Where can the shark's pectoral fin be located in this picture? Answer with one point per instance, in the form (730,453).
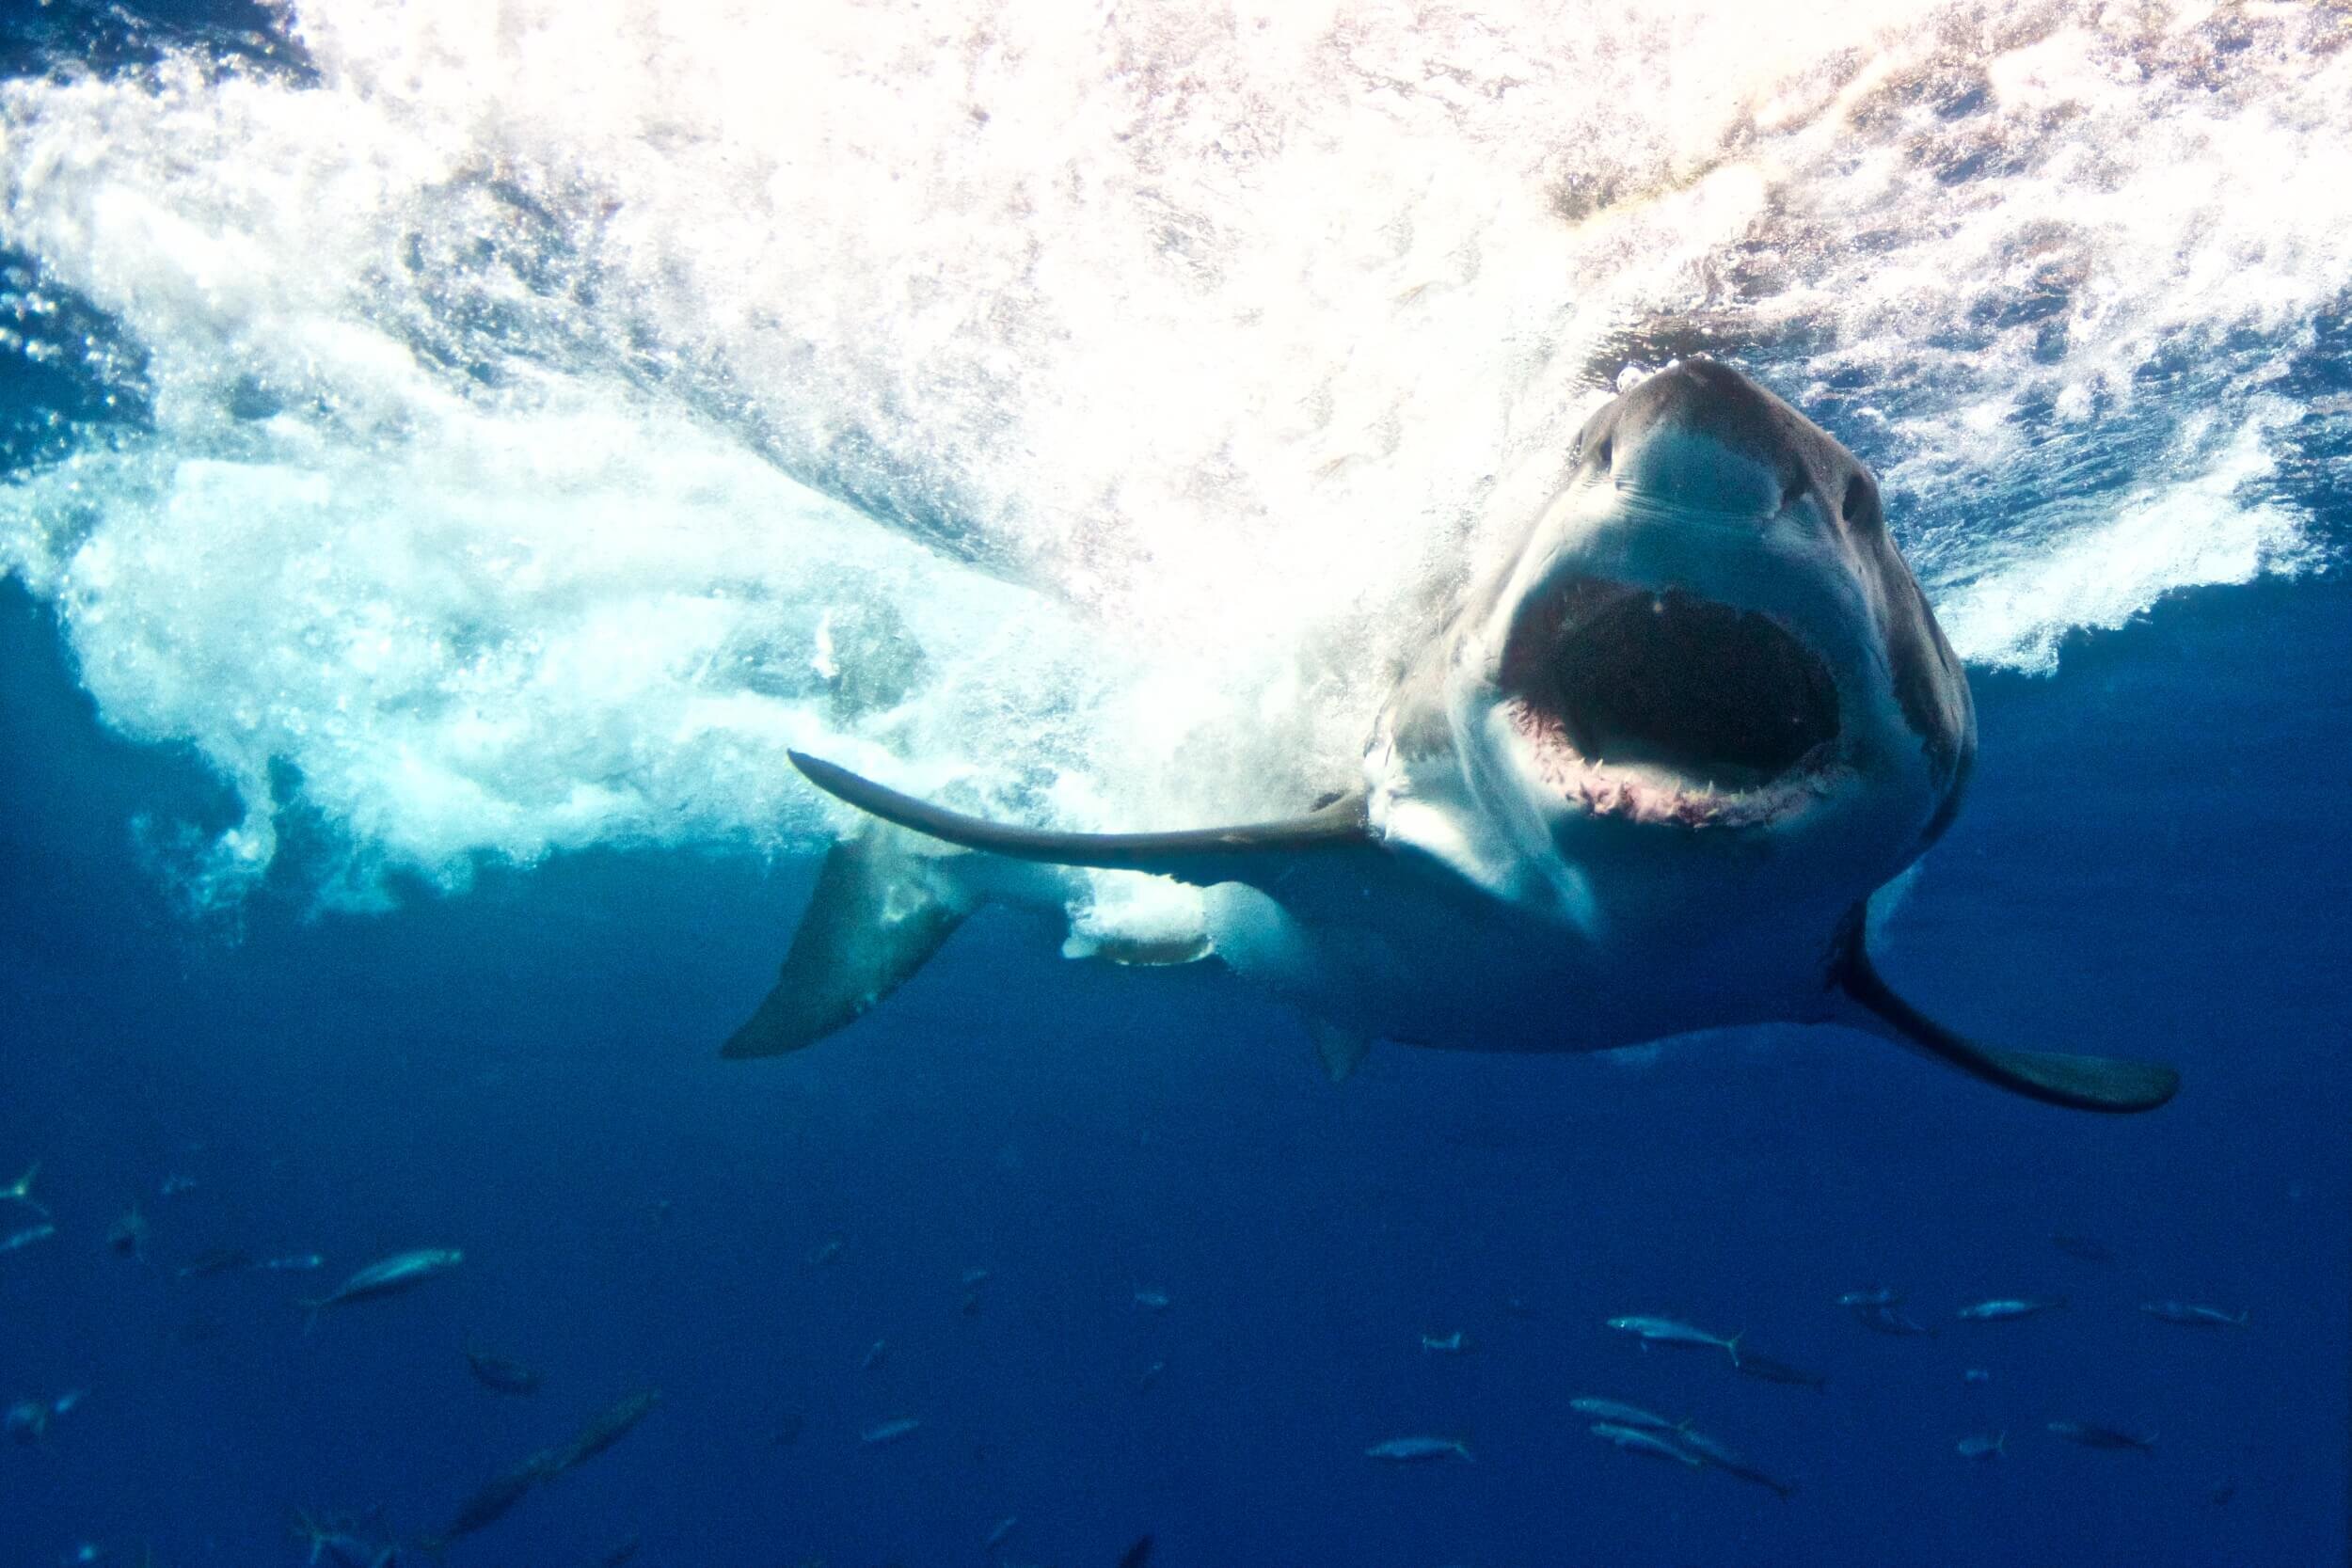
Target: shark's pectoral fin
(2079,1083)
(881,909)
(1259,853)
(1340,1051)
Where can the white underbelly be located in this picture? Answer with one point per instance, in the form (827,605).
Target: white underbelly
(1426,971)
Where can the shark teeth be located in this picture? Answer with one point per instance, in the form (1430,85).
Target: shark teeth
(1649,796)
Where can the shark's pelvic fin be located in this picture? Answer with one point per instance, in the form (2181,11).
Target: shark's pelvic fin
(881,909)
(1340,1051)
(1261,854)
(2078,1083)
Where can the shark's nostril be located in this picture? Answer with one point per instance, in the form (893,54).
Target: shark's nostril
(1601,453)
(1792,492)
(1858,499)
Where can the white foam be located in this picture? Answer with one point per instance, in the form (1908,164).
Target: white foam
(2194,529)
(506,381)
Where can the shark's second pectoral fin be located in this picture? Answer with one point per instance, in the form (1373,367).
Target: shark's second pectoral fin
(881,909)
(2078,1083)
(1259,853)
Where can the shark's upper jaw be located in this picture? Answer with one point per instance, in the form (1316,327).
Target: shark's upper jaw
(1658,706)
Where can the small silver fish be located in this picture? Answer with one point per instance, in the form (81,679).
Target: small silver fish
(506,1376)
(2094,1436)
(1151,1300)
(28,1236)
(1612,1413)
(401,1271)
(2194,1313)
(2003,1308)
(1994,1446)
(1451,1345)
(605,1428)
(1645,1440)
(1976,1374)
(878,1433)
(490,1502)
(1408,1450)
(1668,1331)
(1731,1462)
(876,1354)
(294,1263)
(1876,1296)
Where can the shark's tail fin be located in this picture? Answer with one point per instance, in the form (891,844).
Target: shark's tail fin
(881,909)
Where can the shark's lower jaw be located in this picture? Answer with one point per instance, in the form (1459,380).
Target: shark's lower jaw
(1660,708)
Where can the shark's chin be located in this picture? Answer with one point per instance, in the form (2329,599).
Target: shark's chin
(1659,707)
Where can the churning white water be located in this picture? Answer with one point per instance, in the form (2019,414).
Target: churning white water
(556,410)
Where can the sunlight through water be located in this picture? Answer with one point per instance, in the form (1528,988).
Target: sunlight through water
(514,426)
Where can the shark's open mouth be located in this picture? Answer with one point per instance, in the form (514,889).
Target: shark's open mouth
(1663,706)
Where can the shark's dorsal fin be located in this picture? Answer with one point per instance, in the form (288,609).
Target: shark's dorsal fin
(1257,853)
(2079,1083)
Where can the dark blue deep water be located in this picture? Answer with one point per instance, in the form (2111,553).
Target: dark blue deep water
(2156,859)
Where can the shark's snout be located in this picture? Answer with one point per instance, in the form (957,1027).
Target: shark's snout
(1700,435)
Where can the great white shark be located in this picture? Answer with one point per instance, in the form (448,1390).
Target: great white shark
(1643,783)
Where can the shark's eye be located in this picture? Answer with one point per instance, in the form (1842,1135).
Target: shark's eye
(1600,453)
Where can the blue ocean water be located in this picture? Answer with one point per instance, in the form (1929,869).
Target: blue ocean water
(452,458)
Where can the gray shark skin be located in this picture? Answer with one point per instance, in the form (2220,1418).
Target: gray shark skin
(1642,784)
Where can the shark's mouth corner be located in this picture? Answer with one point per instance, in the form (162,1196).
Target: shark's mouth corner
(1661,707)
